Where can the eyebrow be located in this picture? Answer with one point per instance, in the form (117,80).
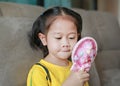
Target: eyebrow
(68,33)
(57,33)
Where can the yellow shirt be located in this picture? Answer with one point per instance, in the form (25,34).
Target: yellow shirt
(58,74)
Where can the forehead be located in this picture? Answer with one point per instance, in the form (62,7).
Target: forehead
(66,17)
(51,19)
(63,23)
(59,20)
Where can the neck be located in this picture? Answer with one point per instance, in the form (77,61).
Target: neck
(57,61)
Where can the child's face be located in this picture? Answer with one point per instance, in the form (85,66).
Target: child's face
(61,38)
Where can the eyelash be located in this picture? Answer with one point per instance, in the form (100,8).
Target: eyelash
(61,38)
(58,38)
(71,37)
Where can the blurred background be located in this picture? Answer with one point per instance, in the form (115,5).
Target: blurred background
(111,6)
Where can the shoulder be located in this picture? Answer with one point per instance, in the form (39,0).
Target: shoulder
(37,68)
(37,72)
(37,76)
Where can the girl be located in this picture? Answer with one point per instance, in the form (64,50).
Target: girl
(55,32)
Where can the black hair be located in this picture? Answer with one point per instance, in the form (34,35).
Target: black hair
(41,26)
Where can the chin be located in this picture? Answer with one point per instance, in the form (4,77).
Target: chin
(64,55)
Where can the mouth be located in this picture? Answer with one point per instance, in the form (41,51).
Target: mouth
(65,50)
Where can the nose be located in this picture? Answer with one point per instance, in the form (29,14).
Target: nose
(65,43)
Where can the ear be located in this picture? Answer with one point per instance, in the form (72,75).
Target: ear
(42,37)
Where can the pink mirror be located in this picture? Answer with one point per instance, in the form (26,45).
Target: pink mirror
(84,53)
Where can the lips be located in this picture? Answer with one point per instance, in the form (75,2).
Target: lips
(66,50)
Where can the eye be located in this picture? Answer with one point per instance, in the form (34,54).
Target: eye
(58,38)
(71,37)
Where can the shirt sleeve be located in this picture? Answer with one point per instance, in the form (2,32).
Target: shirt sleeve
(37,78)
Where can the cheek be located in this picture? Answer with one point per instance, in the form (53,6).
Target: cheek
(52,45)
(73,43)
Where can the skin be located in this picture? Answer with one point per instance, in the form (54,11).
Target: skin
(60,40)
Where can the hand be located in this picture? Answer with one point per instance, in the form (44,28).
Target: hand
(76,79)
